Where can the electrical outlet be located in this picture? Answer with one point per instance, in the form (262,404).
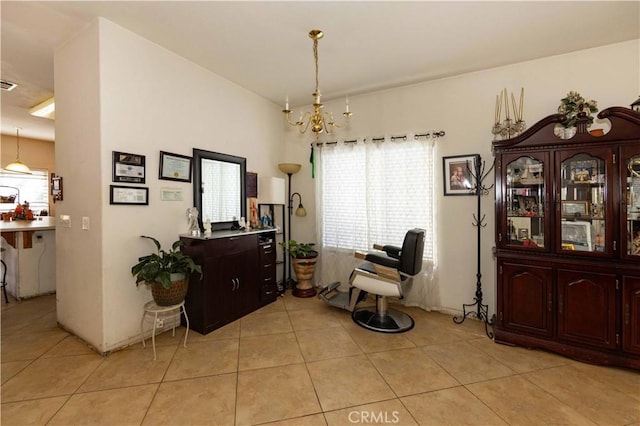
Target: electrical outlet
(159,322)
(85,222)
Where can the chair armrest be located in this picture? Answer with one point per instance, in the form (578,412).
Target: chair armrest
(383,260)
(360,255)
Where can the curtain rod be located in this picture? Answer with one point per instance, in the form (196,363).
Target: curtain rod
(434,134)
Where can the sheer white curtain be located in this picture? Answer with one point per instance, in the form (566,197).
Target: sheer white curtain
(373,192)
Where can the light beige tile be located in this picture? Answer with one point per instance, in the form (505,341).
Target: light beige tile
(204,400)
(268,351)
(277,393)
(309,319)
(326,343)
(372,341)
(204,359)
(464,362)
(130,368)
(428,331)
(526,404)
(312,420)
(519,359)
(10,369)
(32,412)
(411,371)
(292,303)
(344,382)
(24,346)
(126,406)
(267,323)
(455,406)
(390,412)
(229,331)
(277,306)
(70,345)
(615,379)
(47,377)
(586,393)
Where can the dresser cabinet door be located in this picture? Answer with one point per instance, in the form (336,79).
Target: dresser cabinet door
(587,307)
(631,315)
(526,298)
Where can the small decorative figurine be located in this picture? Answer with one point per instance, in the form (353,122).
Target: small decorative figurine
(207,228)
(192,220)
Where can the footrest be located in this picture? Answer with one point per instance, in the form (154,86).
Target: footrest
(330,294)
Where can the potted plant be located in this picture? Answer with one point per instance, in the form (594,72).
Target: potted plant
(303,259)
(166,272)
(574,106)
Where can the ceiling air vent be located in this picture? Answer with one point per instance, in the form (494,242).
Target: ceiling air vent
(7,85)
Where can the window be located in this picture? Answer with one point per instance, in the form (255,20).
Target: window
(375,192)
(33,188)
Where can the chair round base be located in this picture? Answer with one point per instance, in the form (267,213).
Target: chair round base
(392,322)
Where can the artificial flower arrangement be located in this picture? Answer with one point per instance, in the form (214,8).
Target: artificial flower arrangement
(23,212)
(573,104)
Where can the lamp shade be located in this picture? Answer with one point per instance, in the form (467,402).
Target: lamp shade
(289,168)
(271,190)
(18,167)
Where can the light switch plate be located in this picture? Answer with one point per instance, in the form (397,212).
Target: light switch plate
(65,221)
(85,222)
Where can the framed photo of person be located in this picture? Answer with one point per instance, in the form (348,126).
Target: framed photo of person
(457,173)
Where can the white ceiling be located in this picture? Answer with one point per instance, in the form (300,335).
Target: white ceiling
(263,45)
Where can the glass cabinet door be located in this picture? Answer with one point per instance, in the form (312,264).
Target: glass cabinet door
(525,201)
(583,209)
(631,192)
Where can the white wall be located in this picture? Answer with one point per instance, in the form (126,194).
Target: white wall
(149,100)
(463,106)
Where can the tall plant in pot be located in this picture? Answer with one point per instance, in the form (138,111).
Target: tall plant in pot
(303,259)
(166,272)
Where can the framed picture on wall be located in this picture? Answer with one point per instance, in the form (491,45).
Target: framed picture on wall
(175,167)
(128,195)
(457,173)
(129,168)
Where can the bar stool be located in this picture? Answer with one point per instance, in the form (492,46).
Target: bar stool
(160,313)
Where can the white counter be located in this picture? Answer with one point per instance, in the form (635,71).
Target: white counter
(228,233)
(42,223)
(31,271)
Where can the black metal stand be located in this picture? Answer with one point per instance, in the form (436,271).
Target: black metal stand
(286,280)
(482,311)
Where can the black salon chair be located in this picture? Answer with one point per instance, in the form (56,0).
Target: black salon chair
(384,274)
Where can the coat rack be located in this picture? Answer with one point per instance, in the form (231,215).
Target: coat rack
(478,174)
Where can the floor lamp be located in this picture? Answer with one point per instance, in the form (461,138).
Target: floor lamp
(289,169)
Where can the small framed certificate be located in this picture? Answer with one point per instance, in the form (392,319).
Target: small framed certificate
(128,168)
(175,167)
(131,195)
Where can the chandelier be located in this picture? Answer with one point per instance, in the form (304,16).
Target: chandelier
(317,120)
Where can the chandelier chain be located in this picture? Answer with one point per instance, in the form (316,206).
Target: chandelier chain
(315,55)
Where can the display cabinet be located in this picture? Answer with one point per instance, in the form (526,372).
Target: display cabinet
(568,240)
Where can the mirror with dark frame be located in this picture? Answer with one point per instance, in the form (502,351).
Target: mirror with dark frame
(219,188)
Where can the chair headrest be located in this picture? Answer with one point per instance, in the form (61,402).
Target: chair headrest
(412,251)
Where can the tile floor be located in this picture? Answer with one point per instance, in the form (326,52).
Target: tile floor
(300,362)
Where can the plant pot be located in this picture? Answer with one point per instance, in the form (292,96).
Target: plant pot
(304,267)
(173,295)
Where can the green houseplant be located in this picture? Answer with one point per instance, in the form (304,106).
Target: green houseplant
(572,105)
(166,272)
(303,259)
